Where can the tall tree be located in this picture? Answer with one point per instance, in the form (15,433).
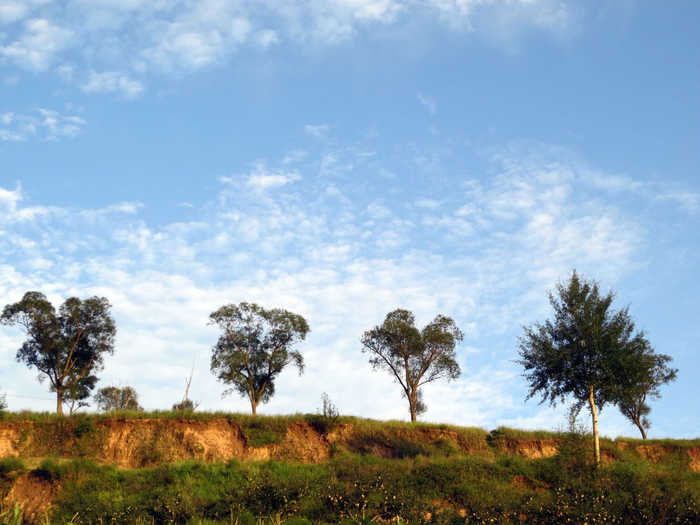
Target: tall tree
(111,398)
(414,357)
(66,347)
(581,353)
(255,346)
(643,373)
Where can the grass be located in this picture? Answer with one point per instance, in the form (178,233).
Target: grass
(681,443)
(451,474)
(358,488)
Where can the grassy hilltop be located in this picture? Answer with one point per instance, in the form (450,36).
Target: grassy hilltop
(166,467)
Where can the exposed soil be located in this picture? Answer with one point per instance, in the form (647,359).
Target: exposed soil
(9,437)
(33,494)
(140,442)
(694,453)
(653,453)
(532,449)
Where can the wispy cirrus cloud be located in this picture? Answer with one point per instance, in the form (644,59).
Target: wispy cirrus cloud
(132,39)
(317,131)
(42,124)
(113,82)
(483,252)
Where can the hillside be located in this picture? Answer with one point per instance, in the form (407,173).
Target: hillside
(163,467)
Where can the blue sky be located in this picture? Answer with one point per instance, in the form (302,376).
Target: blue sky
(344,158)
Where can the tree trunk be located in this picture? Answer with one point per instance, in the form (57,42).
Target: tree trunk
(412,407)
(641,429)
(594,415)
(253,405)
(59,401)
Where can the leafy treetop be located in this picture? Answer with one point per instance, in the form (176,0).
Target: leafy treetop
(66,347)
(256,344)
(414,357)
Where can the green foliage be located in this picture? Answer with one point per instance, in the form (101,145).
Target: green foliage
(186,405)
(581,348)
(10,465)
(112,398)
(414,357)
(264,431)
(256,345)
(644,373)
(12,516)
(67,346)
(585,352)
(84,426)
(49,470)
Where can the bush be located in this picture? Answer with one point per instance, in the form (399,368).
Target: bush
(83,427)
(48,470)
(10,464)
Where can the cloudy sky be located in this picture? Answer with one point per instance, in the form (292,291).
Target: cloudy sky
(343,158)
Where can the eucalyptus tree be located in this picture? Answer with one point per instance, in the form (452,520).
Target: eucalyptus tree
(67,346)
(254,347)
(414,357)
(583,352)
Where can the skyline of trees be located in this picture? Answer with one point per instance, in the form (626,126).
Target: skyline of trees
(257,344)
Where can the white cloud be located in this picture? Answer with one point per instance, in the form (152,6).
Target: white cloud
(65,72)
(318,131)
(267,37)
(130,37)
(40,42)
(10,198)
(43,124)
(312,250)
(377,211)
(11,11)
(262,179)
(688,200)
(506,17)
(294,156)
(113,82)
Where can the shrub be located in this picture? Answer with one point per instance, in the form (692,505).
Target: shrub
(84,426)
(10,464)
(48,470)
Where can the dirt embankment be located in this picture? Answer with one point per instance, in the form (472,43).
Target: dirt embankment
(135,443)
(139,442)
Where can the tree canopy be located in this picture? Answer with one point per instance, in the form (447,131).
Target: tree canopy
(414,357)
(111,398)
(643,373)
(255,346)
(67,346)
(582,352)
